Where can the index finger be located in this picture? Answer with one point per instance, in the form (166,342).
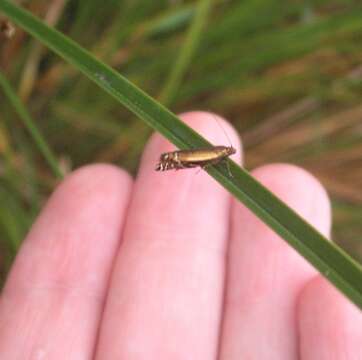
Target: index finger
(52,302)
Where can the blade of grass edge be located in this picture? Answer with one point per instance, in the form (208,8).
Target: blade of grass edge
(31,127)
(331,261)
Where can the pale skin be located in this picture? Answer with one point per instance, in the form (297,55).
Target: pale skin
(169,266)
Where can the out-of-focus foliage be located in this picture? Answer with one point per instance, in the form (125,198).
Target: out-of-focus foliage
(288,75)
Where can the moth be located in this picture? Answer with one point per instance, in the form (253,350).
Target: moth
(184,159)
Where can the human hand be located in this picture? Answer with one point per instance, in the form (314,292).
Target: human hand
(171,267)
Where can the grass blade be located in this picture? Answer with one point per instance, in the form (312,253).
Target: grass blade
(183,61)
(327,257)
(30,125)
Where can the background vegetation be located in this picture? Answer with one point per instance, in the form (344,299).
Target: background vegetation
(288,75)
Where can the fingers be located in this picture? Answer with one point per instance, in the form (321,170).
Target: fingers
(265,274)
(167,285)
(330,327)
(52,302)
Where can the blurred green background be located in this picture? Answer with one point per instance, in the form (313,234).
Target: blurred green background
(287,74)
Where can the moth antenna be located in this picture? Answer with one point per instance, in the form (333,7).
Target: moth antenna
(223,130)
(227,136)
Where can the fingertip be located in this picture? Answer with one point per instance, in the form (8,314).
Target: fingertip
(94,176)
(300,190)
(83,214)
(320,293)
(85,189)
(329,324)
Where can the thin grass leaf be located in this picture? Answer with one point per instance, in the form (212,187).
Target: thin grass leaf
(328,258)
(30,125)
(13,226)
(170,21)
(183,61)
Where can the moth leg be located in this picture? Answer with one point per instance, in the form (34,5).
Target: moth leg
(189,165)
(228,167)
(200,168)
(205,166)
(178,164)
(168,165)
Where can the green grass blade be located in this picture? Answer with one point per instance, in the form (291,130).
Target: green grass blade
(327,257)
(192,39)
(30,125)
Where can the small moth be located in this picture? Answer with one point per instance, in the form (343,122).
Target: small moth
(183,159)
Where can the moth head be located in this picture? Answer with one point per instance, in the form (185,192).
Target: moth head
(231,150)
(165,156)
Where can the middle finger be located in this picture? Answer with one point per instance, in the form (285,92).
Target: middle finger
(167,286)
